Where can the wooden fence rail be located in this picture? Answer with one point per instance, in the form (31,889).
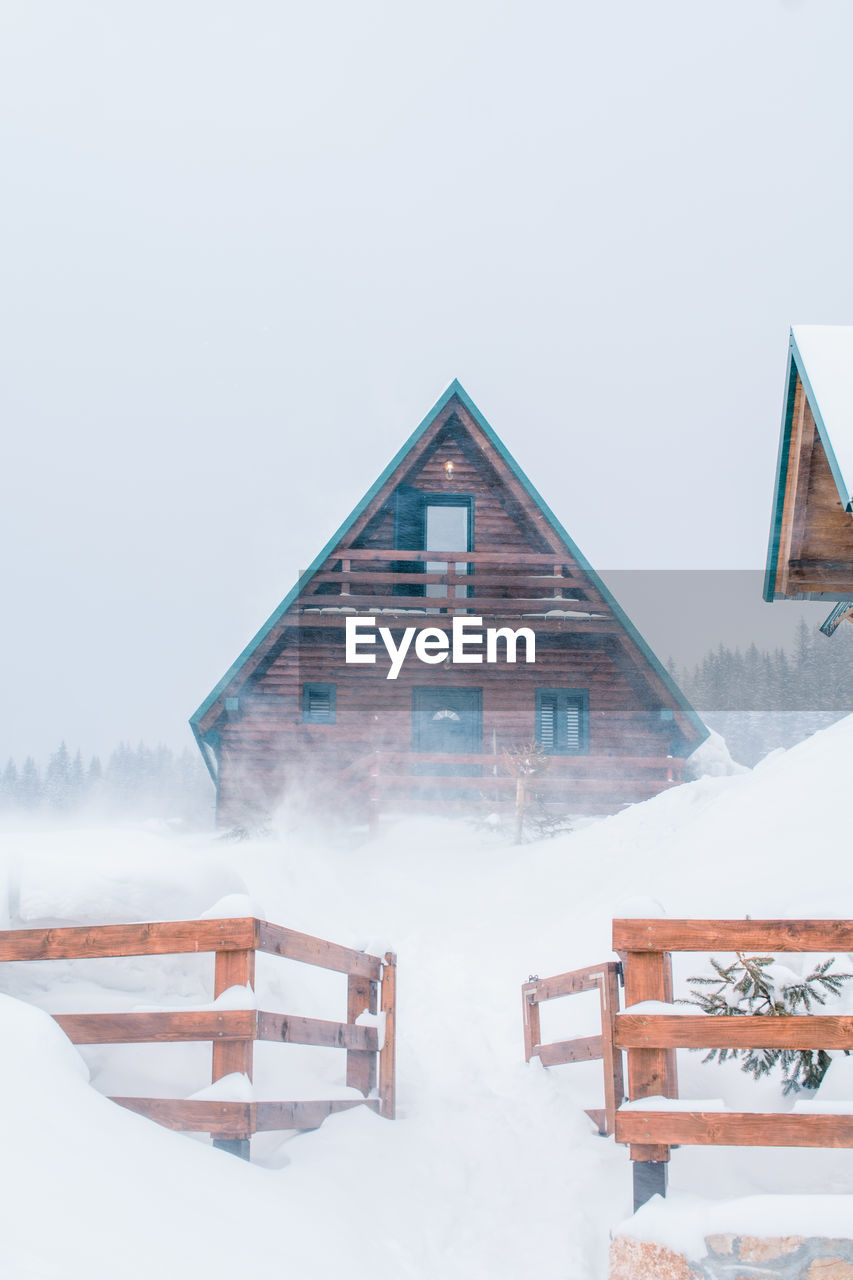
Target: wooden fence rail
(650,1040)
(371,985)
(603,978)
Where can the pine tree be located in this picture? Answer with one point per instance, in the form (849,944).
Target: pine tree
(94,775)
(76,781)
(29,785)
(747,987)
(9,786)
(57,779)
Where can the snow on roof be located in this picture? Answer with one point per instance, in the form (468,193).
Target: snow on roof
(824,357)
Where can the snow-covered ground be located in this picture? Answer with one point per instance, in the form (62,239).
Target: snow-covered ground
(492,1169)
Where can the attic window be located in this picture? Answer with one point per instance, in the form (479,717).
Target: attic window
(562,721)
(319,703)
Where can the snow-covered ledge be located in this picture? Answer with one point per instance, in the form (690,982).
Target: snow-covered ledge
(776,1237)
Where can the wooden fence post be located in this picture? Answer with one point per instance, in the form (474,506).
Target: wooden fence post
(233,969)
(614,1084)
(646,979)
(388,1052)
(531,1019)
(671,1054)
(361,1064)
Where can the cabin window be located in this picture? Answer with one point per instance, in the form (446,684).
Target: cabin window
(319,703)
(562,721)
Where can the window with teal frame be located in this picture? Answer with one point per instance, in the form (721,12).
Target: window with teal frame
(562,721)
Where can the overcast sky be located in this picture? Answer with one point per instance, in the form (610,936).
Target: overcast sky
(247,245)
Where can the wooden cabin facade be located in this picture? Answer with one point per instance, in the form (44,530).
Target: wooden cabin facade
(452,534)
(810,553)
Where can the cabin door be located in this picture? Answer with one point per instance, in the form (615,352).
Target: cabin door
(449,722)
(447,527)
(432,522)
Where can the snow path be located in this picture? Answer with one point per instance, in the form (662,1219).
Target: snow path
(492,1169)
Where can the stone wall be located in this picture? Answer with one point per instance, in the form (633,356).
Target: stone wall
(732,1257)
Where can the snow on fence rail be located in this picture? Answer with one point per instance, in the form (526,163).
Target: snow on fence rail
(371,984)
(603,978)
(651,1039)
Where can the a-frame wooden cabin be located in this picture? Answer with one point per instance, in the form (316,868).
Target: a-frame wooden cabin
(451,530)
(810,553)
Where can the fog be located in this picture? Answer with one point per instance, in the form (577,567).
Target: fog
(246,247)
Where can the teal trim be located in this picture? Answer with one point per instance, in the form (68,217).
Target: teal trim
(336,537)
(457,390)
(208,756)
(781,479)
(622,617)
(841,611)
(797,368)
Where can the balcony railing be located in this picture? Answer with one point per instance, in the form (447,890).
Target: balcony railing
(380,776)
(485,583)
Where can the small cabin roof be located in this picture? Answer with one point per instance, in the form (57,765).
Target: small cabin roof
(824,357)
(454,391)
(820,361)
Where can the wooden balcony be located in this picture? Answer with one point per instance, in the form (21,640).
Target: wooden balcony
(488,584)
(579,784)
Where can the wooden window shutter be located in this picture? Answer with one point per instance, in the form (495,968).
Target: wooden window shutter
(562,721)
(319,703)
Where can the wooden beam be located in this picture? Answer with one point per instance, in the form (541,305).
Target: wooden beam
(303,1115)
(89,942)
(503,558)
(510,576)
(699,1031)
(286,1028)
(582,1049)
(731,935)
(568,984)
(225,1119)
(388,1053)
(158,1028)
(444,621)
(734,1128)
(237,1119)
(598,1116)
(490,782)
(517,606)
(278,941)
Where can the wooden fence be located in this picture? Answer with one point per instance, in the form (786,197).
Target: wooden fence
(603,978)
(371,985)
(651,1040)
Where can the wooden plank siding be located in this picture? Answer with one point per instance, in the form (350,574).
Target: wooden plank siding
(521,567)
(815,540)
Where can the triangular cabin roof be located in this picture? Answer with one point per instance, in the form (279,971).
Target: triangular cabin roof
(810,554)
(454,398)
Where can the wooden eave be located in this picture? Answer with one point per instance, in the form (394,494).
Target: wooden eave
(556,542)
